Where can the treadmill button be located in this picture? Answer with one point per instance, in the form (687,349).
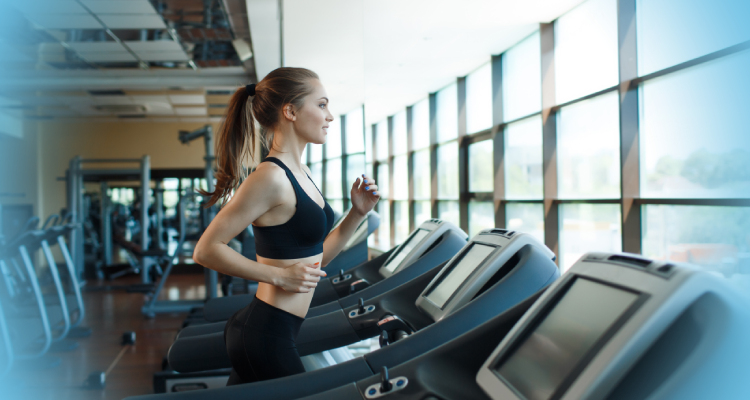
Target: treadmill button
(400,382)
(372,391)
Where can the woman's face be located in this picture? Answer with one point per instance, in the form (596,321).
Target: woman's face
(313,118)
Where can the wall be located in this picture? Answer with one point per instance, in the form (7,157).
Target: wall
(18,167)
(61,141)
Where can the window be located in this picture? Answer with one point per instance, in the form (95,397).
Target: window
(481,216)
(381,140)
(527,218)
(400,178)
(399,133)
(317,173)
(588,227)
(586,50)
(422,212)
(523,159)
(316,152)
(383,181)
(670,32)
(368,143)
(588,148)
(448,211)
(333,179)
(481,175)
(522,85)
(355,167)
(401,221)
(422,183)
(447,113)
(383,234)
(354,135)
(717,238)
(479,99)
(420,115)
(447,171)
(694,140)
(333,139)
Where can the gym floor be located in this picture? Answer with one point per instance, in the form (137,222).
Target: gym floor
(109,313)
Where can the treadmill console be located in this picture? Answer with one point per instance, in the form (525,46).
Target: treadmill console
(621,326)
(418,242)
(489,257)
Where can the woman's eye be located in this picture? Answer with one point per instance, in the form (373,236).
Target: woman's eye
(323,105)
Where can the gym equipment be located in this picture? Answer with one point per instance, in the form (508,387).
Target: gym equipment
(479,284)
(616,326)
(428,238)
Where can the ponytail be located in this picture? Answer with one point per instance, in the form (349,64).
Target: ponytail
(236,138)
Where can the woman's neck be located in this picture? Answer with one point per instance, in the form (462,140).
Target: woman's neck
(288,148)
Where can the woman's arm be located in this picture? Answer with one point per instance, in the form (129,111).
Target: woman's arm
(364,196)
(258,194)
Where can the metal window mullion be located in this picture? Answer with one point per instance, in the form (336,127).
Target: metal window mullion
(629,133)
(463,170)
(410,166)
(344,159)
(391,203)
(549,140)
(433,156)
(498,141)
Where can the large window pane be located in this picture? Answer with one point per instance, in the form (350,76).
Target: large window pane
(670,32)
(354,135)
(448,211)
(383,180)
(420,114)
(381,140)
(481,167)
(522,78)
(317,173)
(370,170)
(481,216)
(717,238)
(422,183)
(333,139)
(447,172)
(588,148)
(316,152)
(400,178)
(355,167)
(479,99)
(422,212)
(383,233)
(336,205)
(526,217)
(586,50)
(303,157)
(401,220)
(694,136)
(523,159)
(369,151)
(333,179)
(447,113)
(588,227)
(399,133)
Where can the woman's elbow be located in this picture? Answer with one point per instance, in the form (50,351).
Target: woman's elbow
(199,255)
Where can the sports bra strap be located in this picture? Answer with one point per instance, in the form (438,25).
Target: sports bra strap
(289,174)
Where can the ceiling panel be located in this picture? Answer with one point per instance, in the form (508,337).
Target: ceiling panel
(113,100)
(55,7)
(133,21)
(163,56)
(187,99)
(154,45)
(120,6)
(93,47)
(190,110)
(49,21)
(107,57)
(150,99)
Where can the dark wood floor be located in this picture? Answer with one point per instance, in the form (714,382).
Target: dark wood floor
(109,314)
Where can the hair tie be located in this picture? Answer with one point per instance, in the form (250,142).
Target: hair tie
(250,89)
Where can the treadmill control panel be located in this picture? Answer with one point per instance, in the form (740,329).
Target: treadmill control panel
(357,313)
(376,390)
(339,279)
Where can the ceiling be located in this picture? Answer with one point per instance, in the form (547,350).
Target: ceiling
(389,54)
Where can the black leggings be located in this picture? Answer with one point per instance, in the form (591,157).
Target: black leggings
(260,343)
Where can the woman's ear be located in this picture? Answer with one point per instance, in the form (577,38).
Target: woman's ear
(289,112)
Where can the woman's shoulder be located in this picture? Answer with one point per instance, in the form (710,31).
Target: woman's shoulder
(268,176)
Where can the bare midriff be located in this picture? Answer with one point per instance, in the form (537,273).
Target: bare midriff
(294,303)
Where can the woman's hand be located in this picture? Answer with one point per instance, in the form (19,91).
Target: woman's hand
(364,195)
(299,278)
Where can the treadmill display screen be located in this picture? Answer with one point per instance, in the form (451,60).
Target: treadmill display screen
(405,249)
(546,357)
(445,288)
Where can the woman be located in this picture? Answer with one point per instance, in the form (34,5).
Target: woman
(290,218)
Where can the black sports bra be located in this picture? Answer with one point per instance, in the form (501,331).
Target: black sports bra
(303,235)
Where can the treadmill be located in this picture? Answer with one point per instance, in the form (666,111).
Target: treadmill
(491,274)
(616,326)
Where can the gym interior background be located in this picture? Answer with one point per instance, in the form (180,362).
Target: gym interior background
(595,125)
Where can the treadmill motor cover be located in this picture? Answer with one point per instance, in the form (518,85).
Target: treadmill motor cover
(548,354)
(405,249)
